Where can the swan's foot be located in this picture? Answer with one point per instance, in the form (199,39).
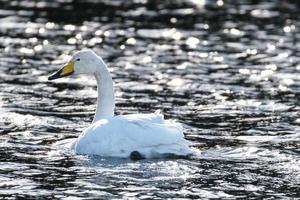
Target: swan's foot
(135,155)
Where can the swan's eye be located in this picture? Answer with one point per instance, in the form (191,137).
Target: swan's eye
(78,59)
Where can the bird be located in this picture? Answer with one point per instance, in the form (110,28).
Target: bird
(135,136)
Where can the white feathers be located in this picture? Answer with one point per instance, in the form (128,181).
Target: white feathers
(149,134)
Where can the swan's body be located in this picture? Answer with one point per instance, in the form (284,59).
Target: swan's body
(118,136)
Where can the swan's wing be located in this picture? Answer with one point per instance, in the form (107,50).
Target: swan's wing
(146,132)
(153,140)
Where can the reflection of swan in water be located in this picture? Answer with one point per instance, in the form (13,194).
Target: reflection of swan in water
(136,136)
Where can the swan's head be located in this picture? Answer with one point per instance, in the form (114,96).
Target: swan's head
(82,62)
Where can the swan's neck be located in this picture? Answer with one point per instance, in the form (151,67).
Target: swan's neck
(106,98)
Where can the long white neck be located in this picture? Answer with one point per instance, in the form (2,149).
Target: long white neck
(106,98)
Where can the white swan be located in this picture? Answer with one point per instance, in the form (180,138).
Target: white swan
(136,136)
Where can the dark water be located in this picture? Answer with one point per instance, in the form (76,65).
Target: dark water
(227,70)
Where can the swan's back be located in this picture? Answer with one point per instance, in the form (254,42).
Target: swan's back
(149,134)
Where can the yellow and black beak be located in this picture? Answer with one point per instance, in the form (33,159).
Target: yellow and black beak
(67,70)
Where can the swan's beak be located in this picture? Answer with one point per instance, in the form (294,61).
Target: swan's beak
(67,70)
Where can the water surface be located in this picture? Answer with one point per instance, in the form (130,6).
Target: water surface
(227,70)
